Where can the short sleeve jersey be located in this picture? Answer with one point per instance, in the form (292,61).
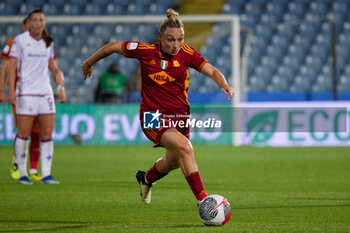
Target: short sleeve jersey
(33,57)
(164,80)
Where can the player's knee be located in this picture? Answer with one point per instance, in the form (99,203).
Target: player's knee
(185,149)
(23,133)
(46,134)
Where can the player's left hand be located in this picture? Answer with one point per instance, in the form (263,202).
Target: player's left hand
(228,90)
(62,94)
(87,69)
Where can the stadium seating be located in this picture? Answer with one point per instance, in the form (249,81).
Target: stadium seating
(289,50)
(295,37)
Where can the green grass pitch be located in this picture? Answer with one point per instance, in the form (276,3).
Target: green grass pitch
(270,190)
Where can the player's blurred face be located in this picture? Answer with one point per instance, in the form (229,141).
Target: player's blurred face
(172,40)
(37,23)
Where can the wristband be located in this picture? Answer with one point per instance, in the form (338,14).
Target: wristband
(61,87)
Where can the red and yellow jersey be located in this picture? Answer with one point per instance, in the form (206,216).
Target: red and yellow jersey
(6,51)
(164,80)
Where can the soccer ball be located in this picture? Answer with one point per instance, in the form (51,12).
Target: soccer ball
(214,210)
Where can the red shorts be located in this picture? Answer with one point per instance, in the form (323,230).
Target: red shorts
(155,135)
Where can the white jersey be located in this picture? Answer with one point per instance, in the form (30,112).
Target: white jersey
(33,70)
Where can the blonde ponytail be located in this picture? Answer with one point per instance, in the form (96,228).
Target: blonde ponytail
(171,13)
(172,21)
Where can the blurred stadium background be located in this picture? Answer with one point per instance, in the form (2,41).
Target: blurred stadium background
(290,44)
(286,53)
(287,60)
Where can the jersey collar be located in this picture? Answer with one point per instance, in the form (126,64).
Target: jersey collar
(160,54)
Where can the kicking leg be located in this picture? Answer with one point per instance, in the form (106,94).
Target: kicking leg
(180,153)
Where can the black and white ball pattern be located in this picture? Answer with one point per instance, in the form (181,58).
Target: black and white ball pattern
(205,209)
(214,210)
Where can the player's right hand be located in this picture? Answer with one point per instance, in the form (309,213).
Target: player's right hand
(87,69)
(228,90)
(62,94)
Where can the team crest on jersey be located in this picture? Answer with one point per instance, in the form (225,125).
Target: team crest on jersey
(164,64)
(152,62)
(131,46)
(176,63)
(161,77)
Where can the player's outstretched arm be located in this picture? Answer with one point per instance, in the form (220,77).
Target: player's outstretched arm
(219,78)
(112,47)
(3,72)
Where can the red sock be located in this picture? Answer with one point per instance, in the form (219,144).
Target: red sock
(14,149)
(153,175)
(196,184)
(34,151)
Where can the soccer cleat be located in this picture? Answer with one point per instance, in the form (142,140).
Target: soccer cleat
(14,172)
(24,180)
(145,188)
(35,177)
(49,180)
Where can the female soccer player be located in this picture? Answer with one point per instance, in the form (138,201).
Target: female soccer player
(164,73)
(33,94)
(34,151)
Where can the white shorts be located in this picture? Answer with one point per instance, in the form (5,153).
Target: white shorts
(32,105)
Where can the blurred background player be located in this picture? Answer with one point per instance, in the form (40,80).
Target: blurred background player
(164,72)
(34,151)
(111,86)
(33,94)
